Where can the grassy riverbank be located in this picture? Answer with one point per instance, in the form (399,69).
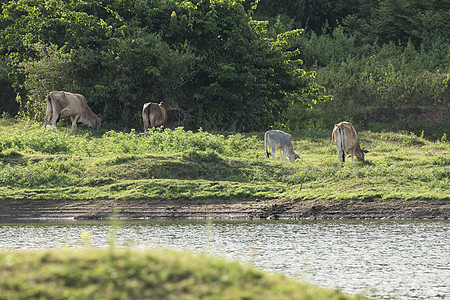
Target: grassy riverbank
(176,164)
(130,274)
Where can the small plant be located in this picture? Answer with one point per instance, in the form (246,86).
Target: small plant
(5,115)
(86,237)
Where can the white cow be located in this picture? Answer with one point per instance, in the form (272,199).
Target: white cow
(279,140)
(346,139)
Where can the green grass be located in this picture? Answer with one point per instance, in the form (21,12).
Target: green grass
(133,274)
(175,164)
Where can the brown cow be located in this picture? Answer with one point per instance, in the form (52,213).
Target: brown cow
(174,115)
(70,105)
(346,139)
(155,115)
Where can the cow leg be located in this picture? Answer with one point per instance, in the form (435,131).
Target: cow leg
(48,116)
(74,123)
(49,111)
(145,128)
(341,155)
(273,152)
(56,112)
(55,118)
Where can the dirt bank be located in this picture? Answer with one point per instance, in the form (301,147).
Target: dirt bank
(226,209)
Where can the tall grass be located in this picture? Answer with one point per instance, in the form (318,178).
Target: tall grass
(30,138)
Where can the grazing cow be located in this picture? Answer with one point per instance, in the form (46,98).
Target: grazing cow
(174,115)
(154,115)
(277,139)
(346,139)
(70,105)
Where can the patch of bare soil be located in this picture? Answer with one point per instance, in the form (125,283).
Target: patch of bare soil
(244,209)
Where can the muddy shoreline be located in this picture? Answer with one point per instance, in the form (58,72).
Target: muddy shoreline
(245,209)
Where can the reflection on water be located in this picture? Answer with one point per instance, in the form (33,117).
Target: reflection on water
(385,259)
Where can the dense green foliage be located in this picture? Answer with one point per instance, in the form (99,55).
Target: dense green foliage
(386,63)
(374,21)
(208,57)
(129,274)
(235,64)
(387,87)
(178,164)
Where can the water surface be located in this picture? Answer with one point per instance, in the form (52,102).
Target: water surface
(383,259)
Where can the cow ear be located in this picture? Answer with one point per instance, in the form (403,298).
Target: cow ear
(366,151)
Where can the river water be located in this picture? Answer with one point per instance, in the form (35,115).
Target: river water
(382,259)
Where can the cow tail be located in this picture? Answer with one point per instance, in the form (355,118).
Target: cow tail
(342,141)
(49,111)
(146,116)
(265,145)
(50,103)
(146,112)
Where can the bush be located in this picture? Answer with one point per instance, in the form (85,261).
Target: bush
(391,87)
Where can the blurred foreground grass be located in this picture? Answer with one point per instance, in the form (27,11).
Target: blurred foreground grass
(131,274)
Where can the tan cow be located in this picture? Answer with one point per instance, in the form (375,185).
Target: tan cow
(153,115)
(279,140)
(70,105)
(346,139)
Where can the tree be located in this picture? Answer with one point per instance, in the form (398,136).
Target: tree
(51,70)
(404,20)
(208,57)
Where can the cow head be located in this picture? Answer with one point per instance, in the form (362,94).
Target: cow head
(98,122)
(360,154)
(293,156)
